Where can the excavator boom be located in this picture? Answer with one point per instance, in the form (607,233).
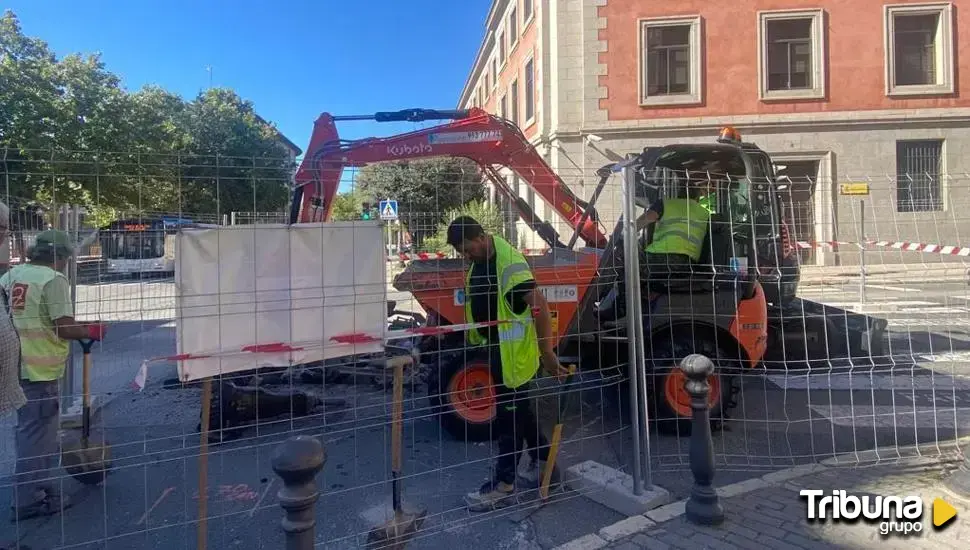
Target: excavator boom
(474,134)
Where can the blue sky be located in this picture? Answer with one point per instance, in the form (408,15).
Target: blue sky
(292,58)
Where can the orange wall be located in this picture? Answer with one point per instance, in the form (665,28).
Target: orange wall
(854,50)
(513,68)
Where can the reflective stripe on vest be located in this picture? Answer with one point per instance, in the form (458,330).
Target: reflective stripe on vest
(43,353)
(518,342)
(681,229)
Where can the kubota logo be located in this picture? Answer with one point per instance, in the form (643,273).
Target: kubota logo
(405,149)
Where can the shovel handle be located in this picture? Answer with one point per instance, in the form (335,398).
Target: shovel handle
(86,345)
(397,419)
(86,393)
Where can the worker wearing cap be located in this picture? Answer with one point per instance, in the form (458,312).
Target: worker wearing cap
(40,301)
(501,289)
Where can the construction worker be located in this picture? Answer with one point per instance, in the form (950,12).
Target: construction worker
(11,394)
(681,226)
(40,299)
(500,288)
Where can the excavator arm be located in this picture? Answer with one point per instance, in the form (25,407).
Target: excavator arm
(474,134)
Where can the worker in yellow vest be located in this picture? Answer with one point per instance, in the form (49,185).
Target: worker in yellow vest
(40,301)
(500,289)
(682,225)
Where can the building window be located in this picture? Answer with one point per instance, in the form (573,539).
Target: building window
(919,167)
(526,12)
(919,49)
(792,54)
(530,91)
(503,107)
(670,61)
(494,72)
(485,88)
(514,101)
(513,28)
(500,40)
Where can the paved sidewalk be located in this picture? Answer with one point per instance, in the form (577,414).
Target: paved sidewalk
(768,512)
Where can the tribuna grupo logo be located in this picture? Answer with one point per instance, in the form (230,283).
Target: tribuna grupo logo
(900,515)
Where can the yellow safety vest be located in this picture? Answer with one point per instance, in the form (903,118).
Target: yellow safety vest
(681,229)
(518,342)
(43,354)
(709,202)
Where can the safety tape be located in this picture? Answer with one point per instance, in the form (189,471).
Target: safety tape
(340,340)
(424,256)
(947,250)
(924,247)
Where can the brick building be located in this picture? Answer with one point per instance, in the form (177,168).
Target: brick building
(836,91)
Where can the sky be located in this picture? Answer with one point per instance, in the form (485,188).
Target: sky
(294,59)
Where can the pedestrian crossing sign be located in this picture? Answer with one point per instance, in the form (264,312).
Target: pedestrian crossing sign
(388,210)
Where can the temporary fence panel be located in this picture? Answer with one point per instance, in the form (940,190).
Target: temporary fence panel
(276,295)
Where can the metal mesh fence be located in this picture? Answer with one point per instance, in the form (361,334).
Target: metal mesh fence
(841,330)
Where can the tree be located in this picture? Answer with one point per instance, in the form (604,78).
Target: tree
(346,206)
(425,189)
(488,215)
(69,133)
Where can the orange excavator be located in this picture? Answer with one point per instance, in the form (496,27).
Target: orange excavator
(718,309)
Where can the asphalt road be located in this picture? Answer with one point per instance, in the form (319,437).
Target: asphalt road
(150,501)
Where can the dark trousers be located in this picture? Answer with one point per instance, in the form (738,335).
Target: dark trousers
(515,423)
(37,443)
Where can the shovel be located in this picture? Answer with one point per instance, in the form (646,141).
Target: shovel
(546,474)
(86,460)
(401,528)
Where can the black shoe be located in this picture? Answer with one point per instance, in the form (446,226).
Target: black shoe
(48,506)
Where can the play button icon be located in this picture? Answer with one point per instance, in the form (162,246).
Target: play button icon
(943,513)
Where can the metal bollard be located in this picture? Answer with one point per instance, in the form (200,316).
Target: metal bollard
(958,482)
(702,507)
(297,462)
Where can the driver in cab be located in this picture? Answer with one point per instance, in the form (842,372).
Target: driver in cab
(682,224)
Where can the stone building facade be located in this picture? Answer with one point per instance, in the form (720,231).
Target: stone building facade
(837,92)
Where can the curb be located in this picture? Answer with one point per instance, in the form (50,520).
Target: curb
(640,523)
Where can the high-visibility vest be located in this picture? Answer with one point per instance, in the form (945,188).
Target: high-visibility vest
(709,202)
(43,354)
(518,342)
(681,229)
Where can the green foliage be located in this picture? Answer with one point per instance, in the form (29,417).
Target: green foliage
(488,215)
(346,206)
(100,216)
(69,133)
(423,188)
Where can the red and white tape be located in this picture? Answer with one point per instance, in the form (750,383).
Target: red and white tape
(423,256)
(820,244)
(948,250)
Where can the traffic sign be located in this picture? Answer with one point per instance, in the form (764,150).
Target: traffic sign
(388,210)
(854,188)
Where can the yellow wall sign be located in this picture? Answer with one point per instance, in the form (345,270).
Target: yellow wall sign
(853,188)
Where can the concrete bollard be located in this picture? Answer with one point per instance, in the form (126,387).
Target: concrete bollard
(958,482)
(702,507)
(297,462)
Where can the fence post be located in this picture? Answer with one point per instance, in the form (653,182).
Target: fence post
(702,507)
(297,462)
(631,267)
(862,252)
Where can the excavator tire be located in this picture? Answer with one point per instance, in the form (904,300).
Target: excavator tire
(461,392)
(669,403)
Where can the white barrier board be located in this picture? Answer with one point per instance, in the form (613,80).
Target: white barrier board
(297,285)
